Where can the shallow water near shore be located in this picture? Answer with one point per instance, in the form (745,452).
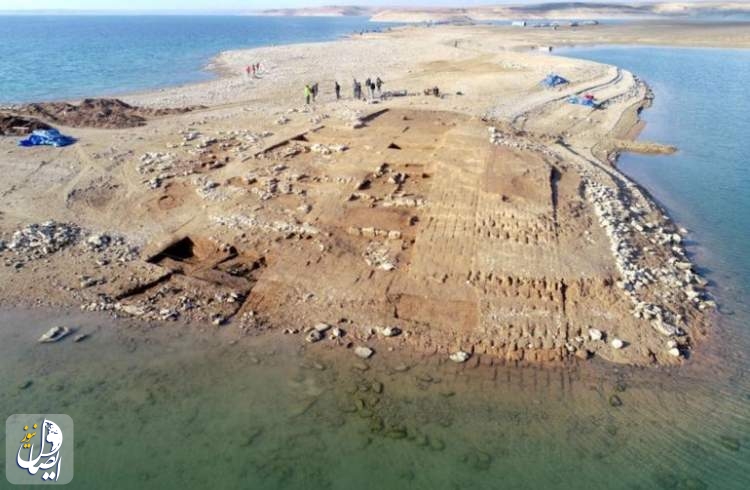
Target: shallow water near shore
(171,407)
(157,408)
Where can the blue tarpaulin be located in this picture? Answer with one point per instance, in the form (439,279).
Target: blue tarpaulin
(553,80)
(50,137)
(586,100)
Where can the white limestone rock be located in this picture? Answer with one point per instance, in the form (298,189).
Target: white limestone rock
(363,352)
(460,357)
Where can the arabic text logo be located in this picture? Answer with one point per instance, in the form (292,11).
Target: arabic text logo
(44,450)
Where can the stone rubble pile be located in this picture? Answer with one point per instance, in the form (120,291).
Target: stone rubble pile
(404,201)
(39,240)
(500,138)
(371,232)
(621,223)
(377,255)
(518,142)
(245,222)
(159,167)
(208,190)
(328,149)
(168,303)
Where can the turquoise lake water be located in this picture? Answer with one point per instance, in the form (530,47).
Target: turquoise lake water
(61,57)
(189,409)
(702,106)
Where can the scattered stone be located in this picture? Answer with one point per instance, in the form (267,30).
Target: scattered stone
(615,401)
(133,310)
(55,334)
(595,334)
(88,282)
(377,255)
(322,327)
(390,331)
(314,336)
(396,433)
(337,333)
(363,352)
(617,344)
(460,357)
(437,444)
(45,238)
(168,314)
(98,242)
(478,460)
(25,385)
(80,338)
(361,366)
(730,443)
(674,352)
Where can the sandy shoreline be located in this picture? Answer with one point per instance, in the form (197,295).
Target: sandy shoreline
(513,244)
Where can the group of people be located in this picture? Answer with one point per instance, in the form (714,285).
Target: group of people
(251,70)
(372,88)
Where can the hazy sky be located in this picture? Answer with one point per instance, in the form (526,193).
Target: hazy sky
(198,4)
(224,4)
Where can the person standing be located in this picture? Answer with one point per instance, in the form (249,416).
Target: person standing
(372,90)
(337,89)
(247,70)
(314,91)
(367,86)
(379,84)
(308,94)
(356,90)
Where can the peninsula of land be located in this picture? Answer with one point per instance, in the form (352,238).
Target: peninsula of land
(463,209)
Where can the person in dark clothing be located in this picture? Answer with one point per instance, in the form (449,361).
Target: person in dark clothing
(367,86)
(372,89)
(337,89)
(314,91)
(379,84)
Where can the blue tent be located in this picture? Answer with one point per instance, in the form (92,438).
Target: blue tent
(51,137)
(587,101)
(553,80)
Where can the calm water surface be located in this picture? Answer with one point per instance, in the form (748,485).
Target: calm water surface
(702,107)
(47,57)
(186,410)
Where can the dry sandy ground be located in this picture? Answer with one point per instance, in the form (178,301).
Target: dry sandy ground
(488,221)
